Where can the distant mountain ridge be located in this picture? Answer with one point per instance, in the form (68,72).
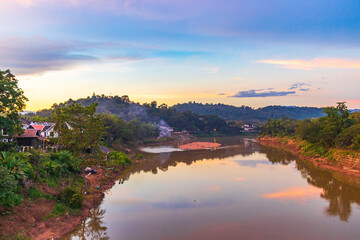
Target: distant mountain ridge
(245,113)
(128,110)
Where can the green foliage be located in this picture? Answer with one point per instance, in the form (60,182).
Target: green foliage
(349,137)
(61,164)
(58,210)
(310,149)
(246,113)
(118,159)
(35,193)
(280,127)
(76,200)
(8,188)
(338,128)
(71,196)
(139,156)
(120,131)
(18,165)
(80,129)
(12,101)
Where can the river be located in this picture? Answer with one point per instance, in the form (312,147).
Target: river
(242,191)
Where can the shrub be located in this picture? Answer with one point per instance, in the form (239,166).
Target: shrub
(59,209)
(71,196)
(139,156)
(8,189)
(348,137)
(35,193)
(76,200)
(118,159)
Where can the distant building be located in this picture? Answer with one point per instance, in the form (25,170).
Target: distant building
(249,128)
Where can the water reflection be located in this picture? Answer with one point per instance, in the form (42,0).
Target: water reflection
(240,191)
(93,227)
(340,194)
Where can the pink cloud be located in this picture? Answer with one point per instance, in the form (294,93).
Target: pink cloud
(295,194)
(332,63)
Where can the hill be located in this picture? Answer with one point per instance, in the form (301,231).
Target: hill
(128,110)
(245,113)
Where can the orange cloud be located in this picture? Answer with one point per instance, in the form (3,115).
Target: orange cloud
(315,63)
(239,179)
(296,193)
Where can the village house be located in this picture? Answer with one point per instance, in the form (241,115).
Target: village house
(29,139)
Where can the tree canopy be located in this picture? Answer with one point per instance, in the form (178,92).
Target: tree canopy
(12,101)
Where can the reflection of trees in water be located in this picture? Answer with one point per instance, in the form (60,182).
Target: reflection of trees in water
(93,227)
(278,155)
(340,195)
(163,161)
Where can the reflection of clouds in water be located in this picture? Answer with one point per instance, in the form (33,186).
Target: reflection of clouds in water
(252,163)
(133,205)
(295,194)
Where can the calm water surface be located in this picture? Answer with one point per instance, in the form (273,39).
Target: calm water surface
(245,191)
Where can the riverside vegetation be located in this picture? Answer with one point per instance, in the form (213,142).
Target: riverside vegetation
(56,176)
(335,137)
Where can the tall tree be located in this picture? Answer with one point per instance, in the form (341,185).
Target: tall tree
(81,130)
(12,101)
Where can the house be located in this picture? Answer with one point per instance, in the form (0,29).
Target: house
(249,128)
(4,136)
(29,139)
(49,132)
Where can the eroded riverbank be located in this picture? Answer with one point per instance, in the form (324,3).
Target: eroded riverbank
(340,161)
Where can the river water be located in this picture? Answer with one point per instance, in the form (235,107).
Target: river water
(242,191)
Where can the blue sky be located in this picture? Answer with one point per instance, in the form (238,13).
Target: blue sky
(256,53)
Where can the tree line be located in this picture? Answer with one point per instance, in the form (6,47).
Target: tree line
(338,128)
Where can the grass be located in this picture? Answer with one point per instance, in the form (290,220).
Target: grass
(58,210)
(35,193)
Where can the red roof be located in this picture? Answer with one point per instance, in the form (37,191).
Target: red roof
(29,133)
(38,127)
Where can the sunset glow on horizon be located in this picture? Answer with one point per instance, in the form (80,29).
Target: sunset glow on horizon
(253,53)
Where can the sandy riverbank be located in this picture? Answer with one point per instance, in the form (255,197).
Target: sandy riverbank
(199,145)
(345,164)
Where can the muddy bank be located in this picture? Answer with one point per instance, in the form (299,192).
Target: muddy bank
(199,145)
(345,164)
(29,218)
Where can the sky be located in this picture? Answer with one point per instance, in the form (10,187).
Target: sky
(238,52)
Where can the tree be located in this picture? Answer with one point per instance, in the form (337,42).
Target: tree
(12,101)
(83,133)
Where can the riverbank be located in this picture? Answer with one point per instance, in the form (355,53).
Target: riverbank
(339,160)
(31,219)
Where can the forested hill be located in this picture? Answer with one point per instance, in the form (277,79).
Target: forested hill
(128,110)
(245,113)
(119,106)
